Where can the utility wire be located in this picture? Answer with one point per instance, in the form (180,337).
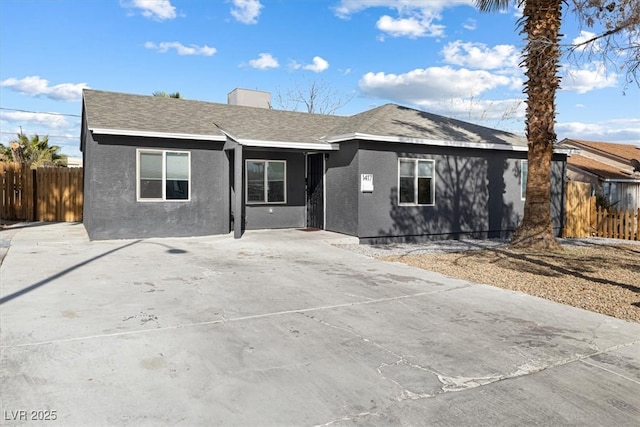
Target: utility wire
(50,136)
(40,112)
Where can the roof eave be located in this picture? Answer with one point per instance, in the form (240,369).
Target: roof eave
(316,146)
(421,141)
(156,134)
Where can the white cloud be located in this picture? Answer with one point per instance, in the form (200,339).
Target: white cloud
(264,61)
(479,55)
(346,8)
(23,118)
(583,37)
(36,86)
(416,18)
(319,65)
(454,93)
(587,78)
(434,83)
(246,11)
(409,27)
(159,10)
(181,49)
(470,24)
(625,130)
(58,127)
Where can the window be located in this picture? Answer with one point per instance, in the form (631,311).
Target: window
(163,175)
(524,171)
(266,181)
(416,183)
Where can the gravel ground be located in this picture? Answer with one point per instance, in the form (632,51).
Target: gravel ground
(601,275)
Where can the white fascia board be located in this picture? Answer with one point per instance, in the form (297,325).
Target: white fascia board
(154,134)
(567,151)
(631,180)
(316,146)
(420,141)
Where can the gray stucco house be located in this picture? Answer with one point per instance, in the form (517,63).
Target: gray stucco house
(157,167)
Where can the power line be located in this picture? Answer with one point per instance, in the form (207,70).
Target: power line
(40,112)
(50,136)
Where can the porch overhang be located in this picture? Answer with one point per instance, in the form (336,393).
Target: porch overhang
(294,145)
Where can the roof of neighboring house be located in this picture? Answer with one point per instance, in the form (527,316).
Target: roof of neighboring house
(597,168)
(126,114)
(623,151)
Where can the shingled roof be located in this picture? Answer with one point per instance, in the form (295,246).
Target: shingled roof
(119,113)
(623,152)
(406,124)
(597,168)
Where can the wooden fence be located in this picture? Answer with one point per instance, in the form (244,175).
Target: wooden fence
(43,194)
(584,219)
(617,224)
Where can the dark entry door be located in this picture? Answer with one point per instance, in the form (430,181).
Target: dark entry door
(315,191)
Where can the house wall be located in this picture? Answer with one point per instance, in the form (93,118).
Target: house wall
(292,214)
(477,194)
(112,211)
(342,182)
(628,196)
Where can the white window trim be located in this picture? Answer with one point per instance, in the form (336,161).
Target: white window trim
(523,185)
(266,182)
(415,184)
(164,176)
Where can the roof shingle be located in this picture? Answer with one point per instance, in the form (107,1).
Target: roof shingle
(119,111)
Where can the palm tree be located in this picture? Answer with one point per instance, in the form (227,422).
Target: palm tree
(541,24)
(164,94)
(36,151)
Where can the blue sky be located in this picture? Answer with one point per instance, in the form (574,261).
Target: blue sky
(441,56)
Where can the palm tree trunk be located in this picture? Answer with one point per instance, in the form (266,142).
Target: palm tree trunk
(541,58)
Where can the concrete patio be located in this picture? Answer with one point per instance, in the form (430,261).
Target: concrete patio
(283,328)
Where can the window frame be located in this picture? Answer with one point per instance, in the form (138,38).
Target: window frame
(265,182)
(524,165)
(416,177)
(139,151)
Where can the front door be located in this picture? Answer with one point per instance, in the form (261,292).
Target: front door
(315,191)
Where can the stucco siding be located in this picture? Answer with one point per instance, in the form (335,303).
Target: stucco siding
(342,182)
(477,194)
(290,214)
(113,211)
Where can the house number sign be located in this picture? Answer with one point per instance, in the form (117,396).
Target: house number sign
(366,182)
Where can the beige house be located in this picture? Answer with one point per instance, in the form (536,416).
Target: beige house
(612,169)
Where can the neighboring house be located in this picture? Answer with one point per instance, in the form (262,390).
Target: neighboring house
(159,167)
(609,168)
(74,162)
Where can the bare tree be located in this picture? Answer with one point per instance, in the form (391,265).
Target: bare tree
(311,96)
(616,40)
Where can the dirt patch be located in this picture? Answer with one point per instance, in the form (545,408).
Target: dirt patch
(604,279)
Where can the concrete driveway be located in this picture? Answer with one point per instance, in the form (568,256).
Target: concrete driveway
(282,328)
